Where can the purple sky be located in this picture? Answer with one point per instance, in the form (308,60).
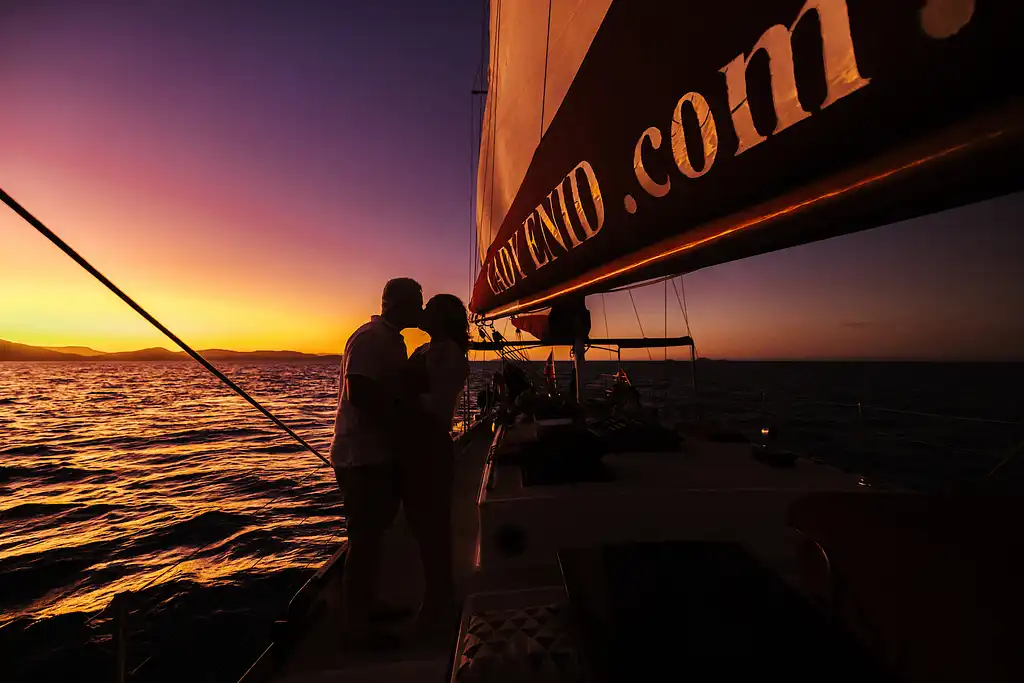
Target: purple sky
(254,171)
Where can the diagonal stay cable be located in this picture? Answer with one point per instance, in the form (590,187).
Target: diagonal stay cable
(640,324)
(63,246)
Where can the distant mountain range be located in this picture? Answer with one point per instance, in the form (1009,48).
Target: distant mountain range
(24,352)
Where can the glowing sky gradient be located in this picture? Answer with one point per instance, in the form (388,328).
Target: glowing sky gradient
(252,172)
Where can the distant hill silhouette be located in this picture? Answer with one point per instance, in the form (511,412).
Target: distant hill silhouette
(74,350)
(12,351)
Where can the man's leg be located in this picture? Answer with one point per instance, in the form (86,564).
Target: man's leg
(370,508)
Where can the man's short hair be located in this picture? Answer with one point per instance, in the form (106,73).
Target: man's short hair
(401,289)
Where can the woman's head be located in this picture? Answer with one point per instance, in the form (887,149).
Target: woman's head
(445,316)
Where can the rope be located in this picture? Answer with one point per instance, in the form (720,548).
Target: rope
(63,246)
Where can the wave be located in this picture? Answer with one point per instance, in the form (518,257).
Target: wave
(181,438)
(278,449)
(199,530)
(27,510)
(35,449)
(7,401)
(56,473)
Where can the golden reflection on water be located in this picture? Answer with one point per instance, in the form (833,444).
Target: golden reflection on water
(111,474)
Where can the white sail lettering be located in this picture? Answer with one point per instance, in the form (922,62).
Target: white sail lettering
(513,249)
(490,281)
(559,195)
(595,194)
(539,229)
(507,265)
(550,229)
(841,74)
(646,182)
(538,250)
(708,135)
(498,276)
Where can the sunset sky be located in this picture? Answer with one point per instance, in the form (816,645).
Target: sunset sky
(252,173)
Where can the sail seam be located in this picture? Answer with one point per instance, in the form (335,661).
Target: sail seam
(544,85)
(493,96)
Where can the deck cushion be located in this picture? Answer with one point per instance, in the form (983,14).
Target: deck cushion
(512,645)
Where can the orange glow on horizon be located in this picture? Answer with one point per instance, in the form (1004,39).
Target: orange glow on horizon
(208,296)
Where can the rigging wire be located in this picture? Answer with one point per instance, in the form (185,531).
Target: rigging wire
(607,333)
(640,284)
(642,333)
(686,317)
(63,246)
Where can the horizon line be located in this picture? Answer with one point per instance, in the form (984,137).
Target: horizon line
(861,359)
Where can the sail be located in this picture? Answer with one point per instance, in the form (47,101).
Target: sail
(536,46)
(695,133)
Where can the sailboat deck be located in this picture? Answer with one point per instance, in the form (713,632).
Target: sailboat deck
(702,492)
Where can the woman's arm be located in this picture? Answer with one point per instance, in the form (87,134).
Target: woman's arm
(447,370)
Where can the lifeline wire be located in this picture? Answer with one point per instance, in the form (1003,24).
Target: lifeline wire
(63,246)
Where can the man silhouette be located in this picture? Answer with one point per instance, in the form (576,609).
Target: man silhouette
(370,408)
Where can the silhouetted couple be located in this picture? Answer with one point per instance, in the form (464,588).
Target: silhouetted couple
(392,447)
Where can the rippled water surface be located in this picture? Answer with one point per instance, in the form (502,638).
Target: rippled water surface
(152,477)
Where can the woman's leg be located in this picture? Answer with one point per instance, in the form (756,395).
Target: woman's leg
(426,482)
(437,553)
(440,578)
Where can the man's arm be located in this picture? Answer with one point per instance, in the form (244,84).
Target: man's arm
(362,375)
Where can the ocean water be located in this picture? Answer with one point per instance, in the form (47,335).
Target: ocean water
(154,478)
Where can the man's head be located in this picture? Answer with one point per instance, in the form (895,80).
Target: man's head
(402,302)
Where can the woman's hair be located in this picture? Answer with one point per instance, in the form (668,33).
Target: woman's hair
(452,318)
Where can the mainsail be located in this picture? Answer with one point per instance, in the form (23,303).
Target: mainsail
(627,140)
